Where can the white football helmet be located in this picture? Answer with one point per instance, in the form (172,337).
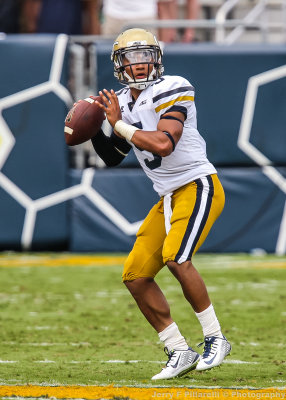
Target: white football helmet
(137,46)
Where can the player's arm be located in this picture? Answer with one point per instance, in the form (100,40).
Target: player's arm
(161,142)
(112,150)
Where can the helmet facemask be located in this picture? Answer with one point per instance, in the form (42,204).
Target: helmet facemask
(134,55)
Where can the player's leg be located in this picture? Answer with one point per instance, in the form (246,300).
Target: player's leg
(188,231)
(216,346)
(142,264)
(151,302)
(192,283)
(155,308)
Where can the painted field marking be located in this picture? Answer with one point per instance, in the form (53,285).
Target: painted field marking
(7,362)
(60,260)
(47,344)
(100,260)
(239,362)
(163,362)
(134,393)
(119,362)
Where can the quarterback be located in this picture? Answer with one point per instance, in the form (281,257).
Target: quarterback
(155,115)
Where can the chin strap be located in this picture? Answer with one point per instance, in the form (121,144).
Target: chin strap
(140,85)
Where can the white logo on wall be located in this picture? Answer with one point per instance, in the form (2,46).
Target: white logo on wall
(7,142)
(248,148)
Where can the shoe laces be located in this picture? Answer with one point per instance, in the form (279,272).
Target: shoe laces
(170,355)
(210,346)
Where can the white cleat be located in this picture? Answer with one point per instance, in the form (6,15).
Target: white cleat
(180,362)
(215,350)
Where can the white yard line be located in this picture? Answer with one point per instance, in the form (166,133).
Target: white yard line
(118,362)
(47,344)
(7,362)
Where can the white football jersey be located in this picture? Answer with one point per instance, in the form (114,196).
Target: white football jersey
(189,160)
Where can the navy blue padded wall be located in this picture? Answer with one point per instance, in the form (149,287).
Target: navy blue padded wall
(252,204)
(220,76)
(37,164)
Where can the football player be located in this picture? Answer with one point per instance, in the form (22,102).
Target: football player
(156,116)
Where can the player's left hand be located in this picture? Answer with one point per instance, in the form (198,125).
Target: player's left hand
(110,106)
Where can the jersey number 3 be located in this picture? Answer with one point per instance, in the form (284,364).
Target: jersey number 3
(157,160)
(155,163)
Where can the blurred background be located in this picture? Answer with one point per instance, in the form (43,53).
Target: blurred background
(53,52)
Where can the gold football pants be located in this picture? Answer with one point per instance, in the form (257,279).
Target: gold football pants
(192,212)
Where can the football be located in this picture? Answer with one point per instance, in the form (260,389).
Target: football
(83,121)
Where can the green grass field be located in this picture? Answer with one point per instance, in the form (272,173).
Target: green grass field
(71,321)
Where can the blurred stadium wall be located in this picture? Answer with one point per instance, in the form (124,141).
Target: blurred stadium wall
(56,198)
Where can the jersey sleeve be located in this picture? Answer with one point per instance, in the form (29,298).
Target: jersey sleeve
(173,93)
(112,150)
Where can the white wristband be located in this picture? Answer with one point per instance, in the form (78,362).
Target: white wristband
(125,130)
